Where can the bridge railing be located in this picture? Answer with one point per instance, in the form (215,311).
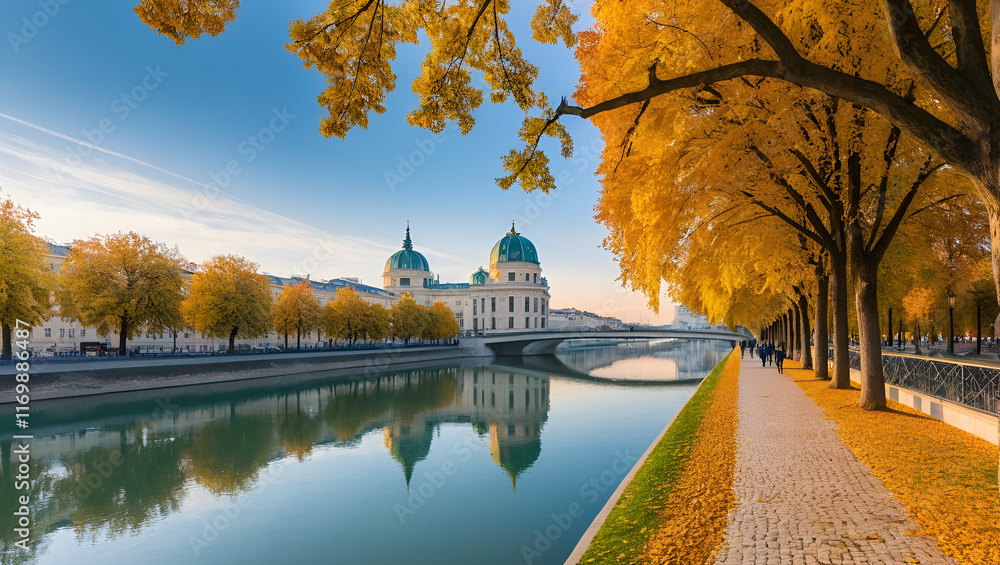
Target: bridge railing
(972,386)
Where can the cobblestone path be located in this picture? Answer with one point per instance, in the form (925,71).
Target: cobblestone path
(803,497)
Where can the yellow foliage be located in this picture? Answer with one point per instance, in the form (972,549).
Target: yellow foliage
(123,283)
(183,19)
(229,299)
(296,310)
(408,318)
(944,476)
(694,518)
(26,280)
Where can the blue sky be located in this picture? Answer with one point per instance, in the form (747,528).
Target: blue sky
(107,126)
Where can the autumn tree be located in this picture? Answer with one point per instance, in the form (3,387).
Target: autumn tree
(378,325)
(229,299)
(408,319)
(441,323)
(26,280)
(296,310)
(123,283)
(346,317)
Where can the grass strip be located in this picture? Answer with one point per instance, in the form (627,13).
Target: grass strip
(945,477)
(676,506)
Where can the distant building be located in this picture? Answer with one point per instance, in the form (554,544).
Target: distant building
(574,319)
(61,336)
(686,318)
(512,296)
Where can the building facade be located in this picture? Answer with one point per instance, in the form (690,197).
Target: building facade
(512,296)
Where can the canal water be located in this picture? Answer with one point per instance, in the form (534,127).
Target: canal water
(501,463)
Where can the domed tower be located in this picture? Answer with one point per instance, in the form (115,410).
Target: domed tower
(514,259)
(479,278)
(406,268)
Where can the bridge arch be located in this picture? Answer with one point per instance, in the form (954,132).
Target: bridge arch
(545,342)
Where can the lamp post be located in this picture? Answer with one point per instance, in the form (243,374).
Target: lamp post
(951,322)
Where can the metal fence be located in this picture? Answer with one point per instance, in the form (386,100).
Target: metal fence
(969,385)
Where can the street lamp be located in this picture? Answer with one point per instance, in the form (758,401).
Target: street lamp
(951,322)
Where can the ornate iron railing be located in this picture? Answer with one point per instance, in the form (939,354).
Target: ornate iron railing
(969,385)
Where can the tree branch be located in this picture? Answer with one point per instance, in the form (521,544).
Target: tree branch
(947,141)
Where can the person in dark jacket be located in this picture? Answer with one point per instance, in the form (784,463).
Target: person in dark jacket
(779,358)
(770,353)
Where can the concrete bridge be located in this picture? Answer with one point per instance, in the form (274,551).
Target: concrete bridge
(516,344)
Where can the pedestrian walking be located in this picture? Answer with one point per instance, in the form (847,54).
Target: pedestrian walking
(762,353)
(770,353)
(743,348)
(779,358)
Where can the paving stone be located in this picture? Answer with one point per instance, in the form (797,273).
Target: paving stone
(803,497)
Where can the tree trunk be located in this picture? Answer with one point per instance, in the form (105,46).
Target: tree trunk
(870,334)
(286,341)
(232,339)
(123,332)
(821,363)
(979,329)
(804,332)
(796,328)
(916,338)
(889,332)
(298,338)
(901,342)
(8,347)
(841,378)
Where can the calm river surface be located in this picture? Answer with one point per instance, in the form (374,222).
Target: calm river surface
(502,463)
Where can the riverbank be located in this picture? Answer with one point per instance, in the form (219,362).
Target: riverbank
(50,380)
(673,507)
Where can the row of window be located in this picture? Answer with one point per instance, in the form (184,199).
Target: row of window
(510,323)
(481,303)
(512,277)
(62,332)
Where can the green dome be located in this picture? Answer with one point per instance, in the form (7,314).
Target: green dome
(513,247)
(407,258)
(479,278)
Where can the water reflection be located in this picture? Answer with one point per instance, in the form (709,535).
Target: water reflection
(105,481)
(632,361)
(111,466)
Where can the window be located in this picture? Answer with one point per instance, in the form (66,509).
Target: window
(536,305)
(536,321)
(458,303)
(404,282)
(536,278)
(510,322)
(527,277)
(493,323)
(511,430)
(527,323)
(510,304)
(543,322)
(83,332)
(510,277)
(484,305)
(475,309)
(48,332)
(527,304)
(62,332)
(459,317)
(475,324)
(493,304)
(543,307)
(72,332)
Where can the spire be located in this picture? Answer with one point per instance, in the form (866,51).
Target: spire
(512,232)
(407,242)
